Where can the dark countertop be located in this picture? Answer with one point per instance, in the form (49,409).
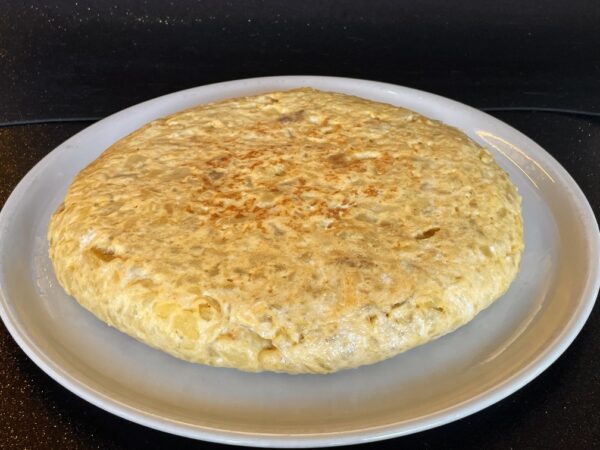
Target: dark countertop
(70,58)
(557,410)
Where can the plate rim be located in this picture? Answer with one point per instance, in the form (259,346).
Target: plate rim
(551,352)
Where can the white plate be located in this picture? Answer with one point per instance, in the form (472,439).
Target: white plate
(505,347)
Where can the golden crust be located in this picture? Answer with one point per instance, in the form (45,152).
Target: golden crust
(298,231)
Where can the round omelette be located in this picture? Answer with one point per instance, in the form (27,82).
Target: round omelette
(299,232)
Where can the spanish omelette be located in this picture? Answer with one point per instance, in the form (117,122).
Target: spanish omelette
(299,231)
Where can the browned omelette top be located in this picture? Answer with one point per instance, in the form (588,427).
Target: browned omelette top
(298,231)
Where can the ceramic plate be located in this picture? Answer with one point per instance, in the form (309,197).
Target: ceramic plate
(505,347)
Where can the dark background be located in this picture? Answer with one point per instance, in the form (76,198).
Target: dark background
(533,64)
(71,59)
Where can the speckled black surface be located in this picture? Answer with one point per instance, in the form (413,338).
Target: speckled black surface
(557,410)
(69,58)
